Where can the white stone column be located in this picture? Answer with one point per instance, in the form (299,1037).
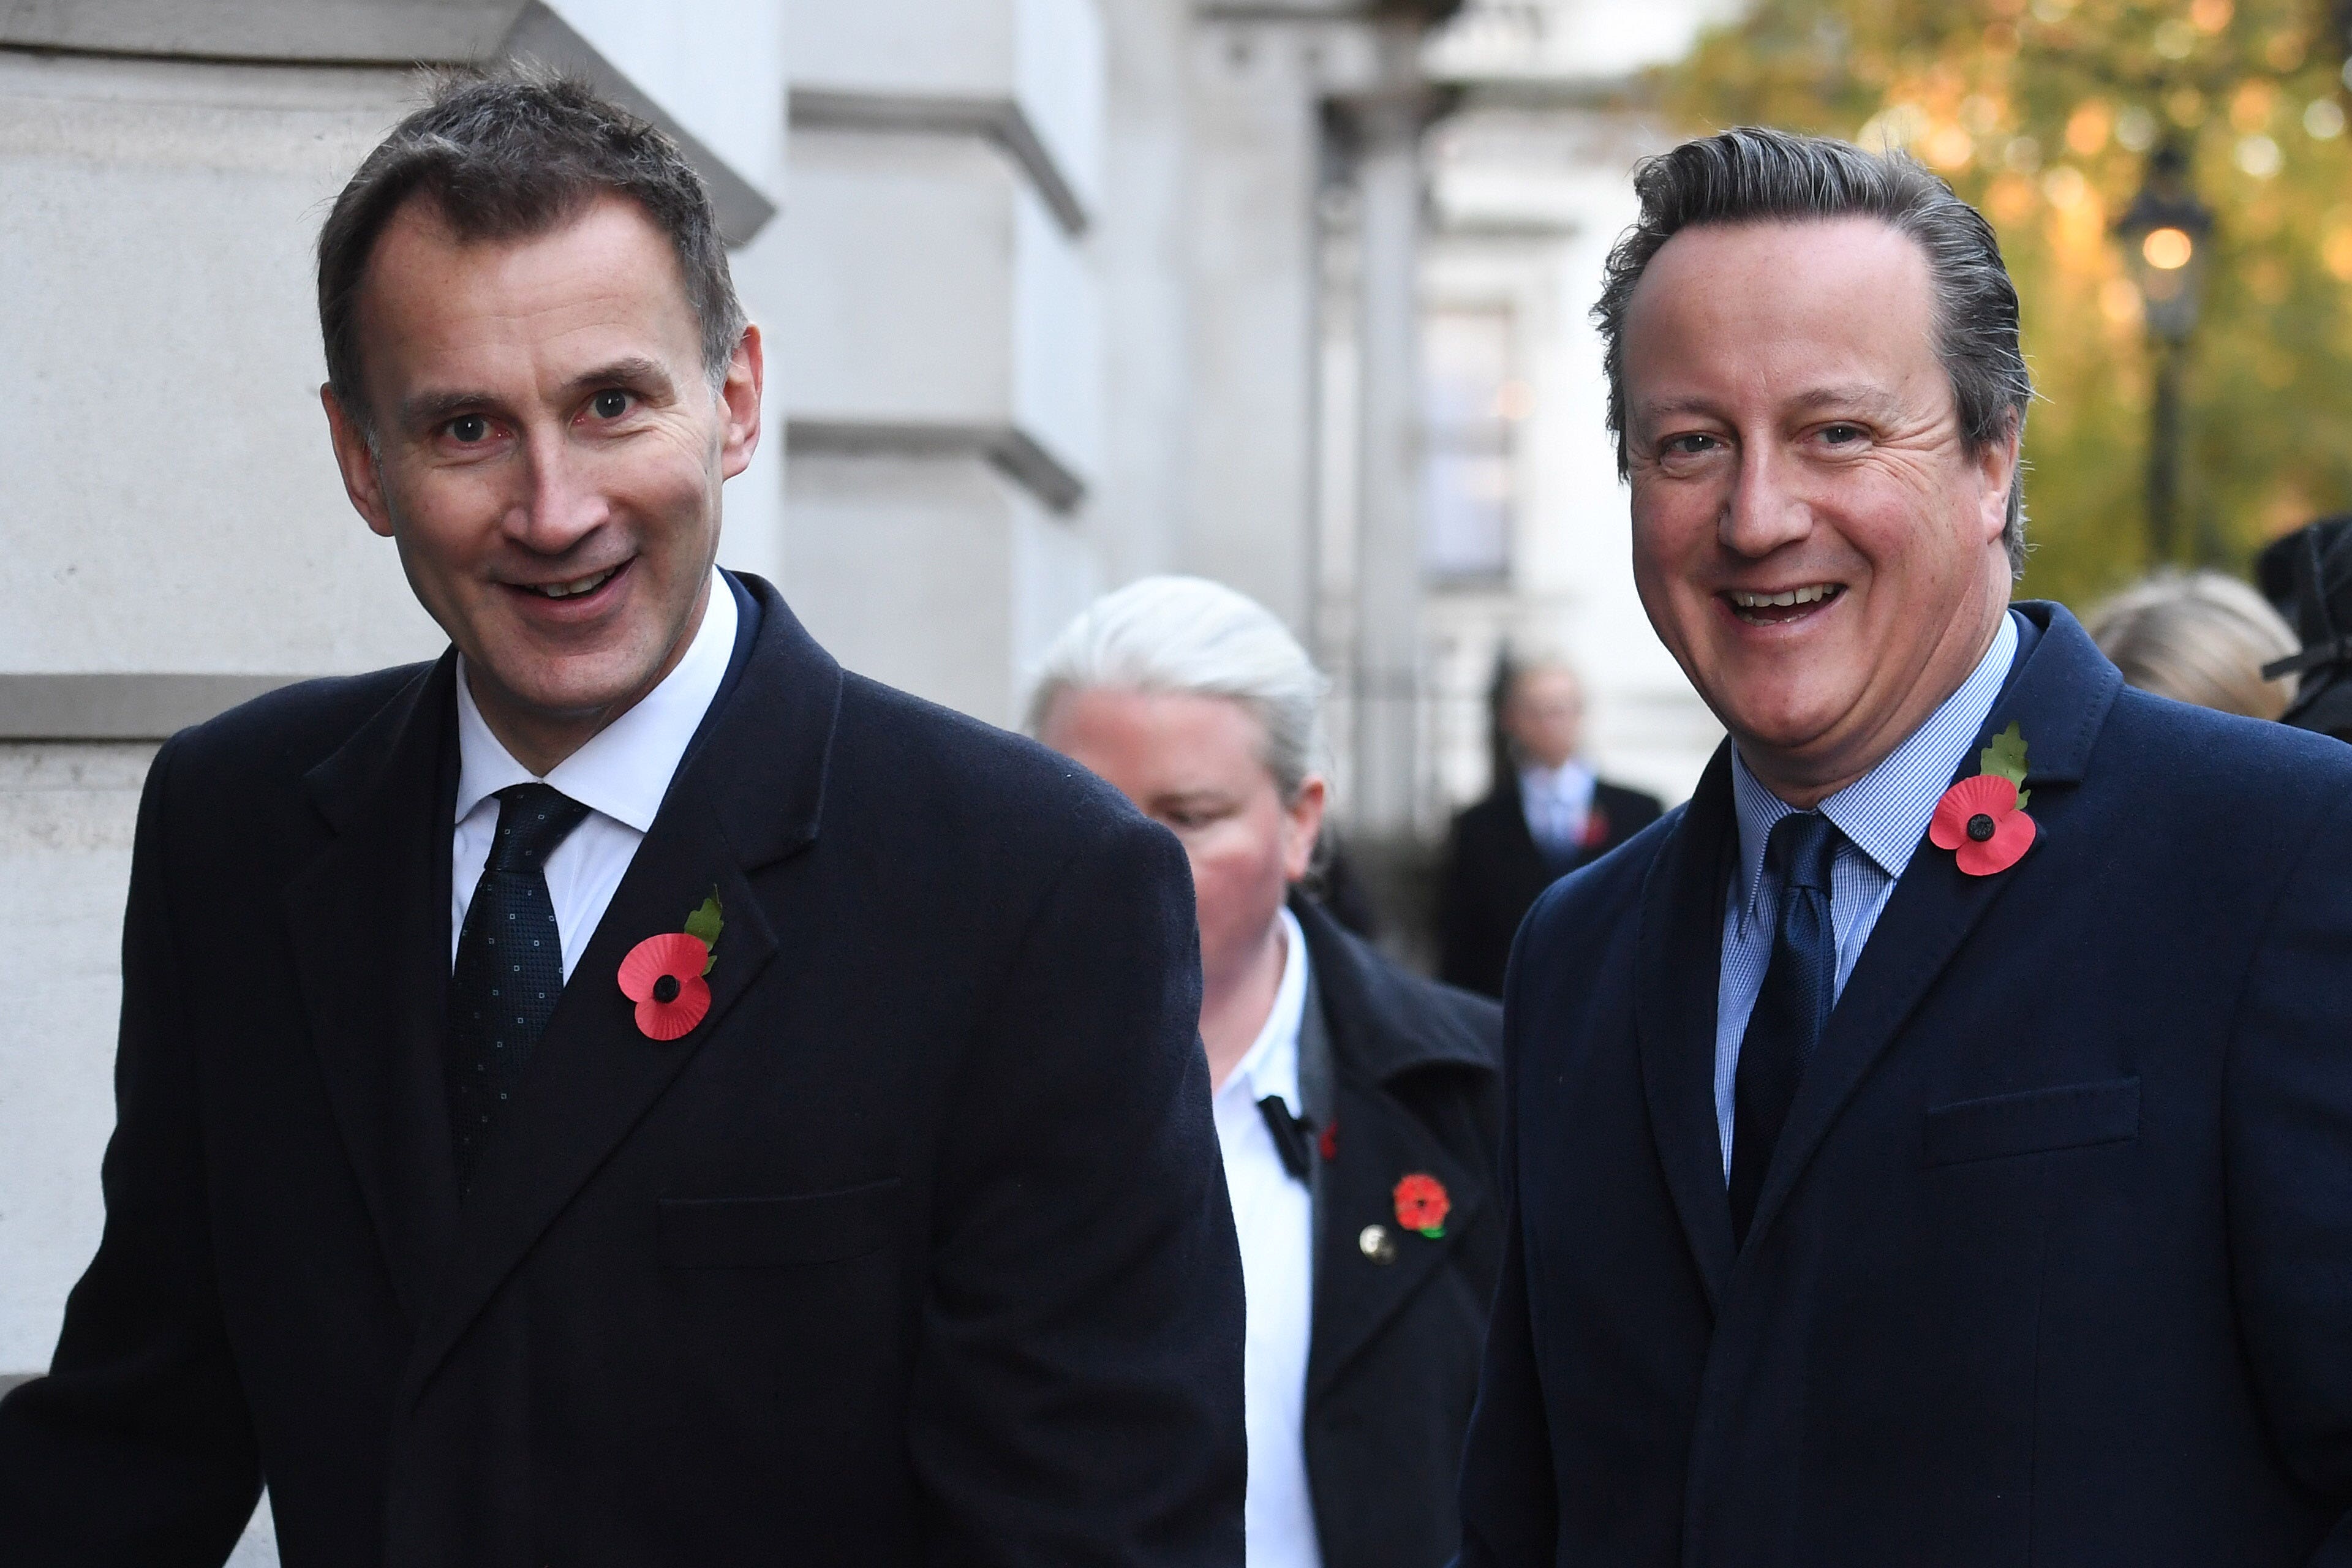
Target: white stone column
(1257,92)
(937,350)
(1388,674)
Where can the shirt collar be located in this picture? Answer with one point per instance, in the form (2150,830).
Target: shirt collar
(1571,781)
(1271,1064)
(1884,812)
(625,768)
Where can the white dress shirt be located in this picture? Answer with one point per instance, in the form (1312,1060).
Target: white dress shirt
(1273,1214)
(620,775)
(1558,802)
(1882,814)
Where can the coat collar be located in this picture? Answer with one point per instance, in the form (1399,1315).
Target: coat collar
(376,770)
(370,917)
(2058,693)
(1395,1025)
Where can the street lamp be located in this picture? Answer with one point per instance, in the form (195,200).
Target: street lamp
(2164,231)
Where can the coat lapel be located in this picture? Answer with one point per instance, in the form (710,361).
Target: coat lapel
(2058,697)
(748,797)
(1378,1144)
(1678,963)
(1379,1033)
(369,920)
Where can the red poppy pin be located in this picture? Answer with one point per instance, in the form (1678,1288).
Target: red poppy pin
(1422,1204)
(664,975)
(1327,1145)
(1982,819)
(1596,828)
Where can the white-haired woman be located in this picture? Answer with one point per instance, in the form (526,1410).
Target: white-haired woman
(1356,1104)
(2197,637)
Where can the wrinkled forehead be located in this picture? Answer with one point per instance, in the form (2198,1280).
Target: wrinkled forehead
(1800,254)
(601,281)
(423,261)
(1781,307)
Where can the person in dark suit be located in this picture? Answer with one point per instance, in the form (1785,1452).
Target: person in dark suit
(1546,815)
(1921,1147)
(627,1091)
(1355,1102)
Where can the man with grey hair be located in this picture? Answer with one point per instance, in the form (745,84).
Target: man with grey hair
(628,1091)
(1924,1145)
(1355,1102)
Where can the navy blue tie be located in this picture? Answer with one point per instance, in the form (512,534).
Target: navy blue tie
(510,967)
(1799,988)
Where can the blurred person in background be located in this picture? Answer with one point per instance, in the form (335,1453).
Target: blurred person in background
(1546,815)
(2308,575)
(2197,637)
(1355,1102)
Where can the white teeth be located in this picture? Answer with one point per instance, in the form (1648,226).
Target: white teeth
(578,586)
(1786,598)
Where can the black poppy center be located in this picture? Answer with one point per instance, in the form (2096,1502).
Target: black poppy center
(1980,827)
(666,988)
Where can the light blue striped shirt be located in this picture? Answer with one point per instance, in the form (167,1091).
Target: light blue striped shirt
(1883,814)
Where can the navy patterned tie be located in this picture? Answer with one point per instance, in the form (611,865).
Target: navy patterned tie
(1791,1008)
(510,967)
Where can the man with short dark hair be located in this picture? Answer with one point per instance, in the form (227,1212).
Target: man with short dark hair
(1925,1146)
(1546,814)
(628,1091)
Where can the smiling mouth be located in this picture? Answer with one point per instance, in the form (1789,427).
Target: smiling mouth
(573,589)
(1778,609)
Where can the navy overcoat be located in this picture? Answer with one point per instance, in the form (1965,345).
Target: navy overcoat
(915,1251)
(2053,1261)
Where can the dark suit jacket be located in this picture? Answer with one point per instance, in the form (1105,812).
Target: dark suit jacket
(2053,1260)
(1392,1360)
(1494,872)
(915,1251)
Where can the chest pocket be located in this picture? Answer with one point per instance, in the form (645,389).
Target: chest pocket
(779,1233)
(2037,1121)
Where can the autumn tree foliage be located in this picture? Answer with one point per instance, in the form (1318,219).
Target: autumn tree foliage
(2045,114)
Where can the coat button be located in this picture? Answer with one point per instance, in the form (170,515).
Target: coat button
(1376,1244)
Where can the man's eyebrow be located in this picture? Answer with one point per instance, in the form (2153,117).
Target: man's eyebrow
(1666,408)
(634,371)
(1858,396)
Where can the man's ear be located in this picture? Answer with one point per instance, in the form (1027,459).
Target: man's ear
(740,392)
(1997,465)
(362,481)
